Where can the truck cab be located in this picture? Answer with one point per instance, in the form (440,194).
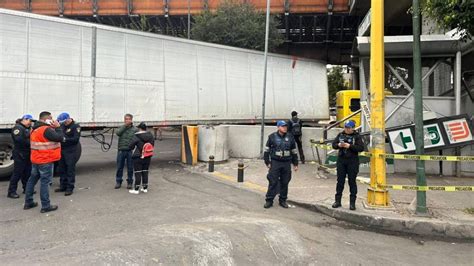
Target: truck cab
(348,102)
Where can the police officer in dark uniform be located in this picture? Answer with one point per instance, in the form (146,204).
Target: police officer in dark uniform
(21,155)
(349,144)
(295,127)
(69,146)
(280,153)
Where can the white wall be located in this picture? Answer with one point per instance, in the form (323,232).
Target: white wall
(244,140)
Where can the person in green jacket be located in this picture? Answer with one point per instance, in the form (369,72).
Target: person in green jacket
(125,133)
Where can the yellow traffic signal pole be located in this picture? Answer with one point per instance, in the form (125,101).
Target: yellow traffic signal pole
(375,195)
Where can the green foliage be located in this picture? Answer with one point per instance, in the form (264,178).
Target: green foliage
(452,14)
(236,24)
(141,25)
(335,83)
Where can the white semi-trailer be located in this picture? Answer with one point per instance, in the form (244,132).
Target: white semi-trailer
(98,73)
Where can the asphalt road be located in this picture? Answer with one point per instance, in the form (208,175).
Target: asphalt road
(189,219)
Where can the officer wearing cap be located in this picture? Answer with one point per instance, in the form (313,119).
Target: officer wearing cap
(349,144)
(21,155)
(69,146)
(280,153)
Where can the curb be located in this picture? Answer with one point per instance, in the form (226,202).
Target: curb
(376,222)
(408,226)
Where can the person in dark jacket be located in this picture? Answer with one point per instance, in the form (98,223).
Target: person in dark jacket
(349,144)
(141,161)
(280,153)
(125,133)
(21,155)
(69,146)
(295,127)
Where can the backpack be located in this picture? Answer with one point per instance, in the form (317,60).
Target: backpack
(147,150)
(295,127)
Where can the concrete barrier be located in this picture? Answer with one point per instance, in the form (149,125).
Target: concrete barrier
(244,140)
(213,140)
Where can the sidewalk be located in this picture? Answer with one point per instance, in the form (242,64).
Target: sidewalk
(450,213)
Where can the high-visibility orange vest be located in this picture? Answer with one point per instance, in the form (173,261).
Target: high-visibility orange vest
(42,150)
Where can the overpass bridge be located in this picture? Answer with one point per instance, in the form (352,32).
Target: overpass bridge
(164,7)
(317,29)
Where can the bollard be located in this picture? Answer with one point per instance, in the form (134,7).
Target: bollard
(240,172)
(211,164)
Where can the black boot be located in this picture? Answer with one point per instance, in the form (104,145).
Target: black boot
(268,204)
(284,204)
(337,202)
(352,204)
(13,195)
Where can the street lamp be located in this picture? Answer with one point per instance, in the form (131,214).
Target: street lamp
(265,60)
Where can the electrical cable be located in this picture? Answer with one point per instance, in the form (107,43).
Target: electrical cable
(101,139)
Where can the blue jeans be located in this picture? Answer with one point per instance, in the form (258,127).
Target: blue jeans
(123,156)
(44,173)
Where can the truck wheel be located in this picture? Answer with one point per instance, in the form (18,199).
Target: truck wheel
(78,152)
(6,153)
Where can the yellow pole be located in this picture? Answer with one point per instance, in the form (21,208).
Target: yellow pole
(375,195)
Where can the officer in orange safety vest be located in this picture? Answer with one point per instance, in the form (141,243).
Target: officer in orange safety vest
(45,141)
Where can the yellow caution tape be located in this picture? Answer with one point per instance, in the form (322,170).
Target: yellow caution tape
(428,157)
(409,156)
(419,188)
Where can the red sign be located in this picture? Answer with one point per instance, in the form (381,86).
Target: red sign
(458,131)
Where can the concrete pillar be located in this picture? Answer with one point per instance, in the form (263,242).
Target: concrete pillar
(457,82)
(442,79)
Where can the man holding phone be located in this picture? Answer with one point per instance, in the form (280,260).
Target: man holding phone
(349,144)
(45,142)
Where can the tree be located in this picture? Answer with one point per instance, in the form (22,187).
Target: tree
(451,14)
(335,83)
(236,24)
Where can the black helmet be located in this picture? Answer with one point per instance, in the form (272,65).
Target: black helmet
(294,113)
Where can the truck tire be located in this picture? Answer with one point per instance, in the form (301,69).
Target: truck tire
(6,160)
(78,152)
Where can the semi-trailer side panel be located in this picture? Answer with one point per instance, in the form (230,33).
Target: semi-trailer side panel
(97,73)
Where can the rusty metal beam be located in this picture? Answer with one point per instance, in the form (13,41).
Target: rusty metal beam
(95,8)
(130,7)
(27,5)
(61,7)
(166,8)
(157,7)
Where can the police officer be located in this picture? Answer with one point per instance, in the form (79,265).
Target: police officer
(349,144)
(280,153)
(295,127)
(21,155)
(69,146)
